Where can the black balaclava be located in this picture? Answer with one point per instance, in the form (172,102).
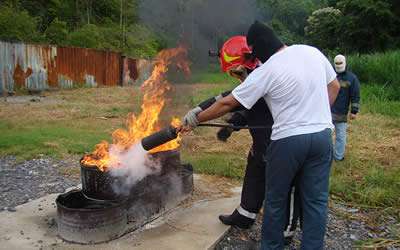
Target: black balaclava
(263,40)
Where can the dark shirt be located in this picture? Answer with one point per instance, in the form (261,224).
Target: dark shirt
(349,94)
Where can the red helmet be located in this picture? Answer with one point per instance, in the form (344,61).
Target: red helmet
(233,54)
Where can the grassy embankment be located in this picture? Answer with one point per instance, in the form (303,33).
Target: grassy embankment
(71,122)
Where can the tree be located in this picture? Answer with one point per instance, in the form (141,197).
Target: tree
(141,42)
(396,11)
(44,10)
(284,34)
(89,36)
(323,28)
(18,26)
(57,32)
(292,14)
(332,3)
(368,24)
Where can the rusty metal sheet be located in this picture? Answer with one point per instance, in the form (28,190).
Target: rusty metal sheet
(129,72)
(38,67)
(24,65)
(136,71)
(89,66)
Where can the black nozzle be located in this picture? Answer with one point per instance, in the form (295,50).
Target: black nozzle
(159,138)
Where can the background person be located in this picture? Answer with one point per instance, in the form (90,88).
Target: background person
(349,96)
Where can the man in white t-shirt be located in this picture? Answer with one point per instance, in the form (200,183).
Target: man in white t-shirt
(299,85)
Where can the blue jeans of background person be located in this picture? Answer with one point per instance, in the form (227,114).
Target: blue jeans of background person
(340,142)
(309,157)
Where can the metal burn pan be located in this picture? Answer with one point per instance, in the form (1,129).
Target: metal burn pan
(159,194)
(97,214)
(85,221)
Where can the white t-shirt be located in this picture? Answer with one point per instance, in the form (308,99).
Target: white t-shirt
(294,83)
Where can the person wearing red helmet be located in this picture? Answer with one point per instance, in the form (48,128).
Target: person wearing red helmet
(235,59)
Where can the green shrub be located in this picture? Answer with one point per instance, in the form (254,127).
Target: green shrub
(379,68)
(367,25)
(217,164)
(57,32)
(18,26)
(112,37)
(89,36)
(141,42)
(323,26)
(287,36)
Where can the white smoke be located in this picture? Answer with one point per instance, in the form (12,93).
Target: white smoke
(133,165)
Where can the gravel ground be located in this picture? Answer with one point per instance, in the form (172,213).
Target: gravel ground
(343,231)
(21,182)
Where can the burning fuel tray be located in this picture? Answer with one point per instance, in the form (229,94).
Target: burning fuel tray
(97,214)
(100,185)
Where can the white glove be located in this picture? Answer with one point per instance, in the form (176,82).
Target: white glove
(190,119)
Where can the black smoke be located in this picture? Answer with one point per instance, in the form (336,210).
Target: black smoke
(199,24)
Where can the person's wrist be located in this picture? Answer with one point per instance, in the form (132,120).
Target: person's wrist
(195,121)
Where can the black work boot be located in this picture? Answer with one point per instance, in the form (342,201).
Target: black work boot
(236,219)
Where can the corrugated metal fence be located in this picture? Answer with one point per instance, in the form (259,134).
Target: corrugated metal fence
(38,67)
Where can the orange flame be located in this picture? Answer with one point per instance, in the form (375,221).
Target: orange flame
(155,88)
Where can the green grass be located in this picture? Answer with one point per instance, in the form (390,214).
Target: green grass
(228,165)
(210,74)
(212,77)
(379,68)
(119,111)
(210,91)
(379,99)
(379,74)
(51,139)
(367,183)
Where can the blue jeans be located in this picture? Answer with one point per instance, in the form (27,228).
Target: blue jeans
(307,157)
(340,142)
